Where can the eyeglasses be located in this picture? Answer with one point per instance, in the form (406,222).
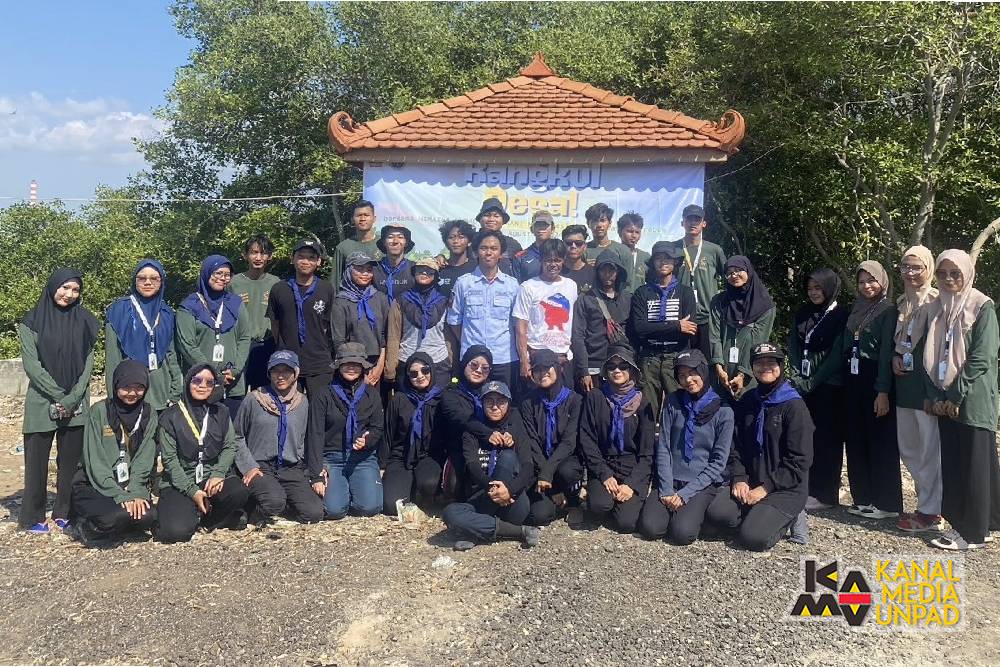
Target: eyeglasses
(575,244)
(417,372)
(147,279)
(910,269)
(954,274)
(735,272)
(222,275)
(620,366)
(477,367)
(132,389)
(198,381)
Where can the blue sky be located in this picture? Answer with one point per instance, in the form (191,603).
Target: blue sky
(77,81)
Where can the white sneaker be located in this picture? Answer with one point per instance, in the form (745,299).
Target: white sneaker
(872,512)
(950,540)
(814,505)
(860,510)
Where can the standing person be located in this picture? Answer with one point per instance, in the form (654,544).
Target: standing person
(616,442)
(57,349)
(110,490)
(392,273)
(491,218)
(270,431)
(300,309)
(662,323)
(416,322)
(345,429)
(630,231)
(499,477)
(696,433)
(600,317)
(740,317)
(363,221)
(543,312)
(703,269)
(872,452)
(576,267)
(140,327)
(198,446)
(599,218)
(816,371)
(212,329)
(917,431)
(769,461)
(527,263)
(960,358)
(481,304)
(457,236)
(416,449)
(253,286)
(551,419)
(360,314)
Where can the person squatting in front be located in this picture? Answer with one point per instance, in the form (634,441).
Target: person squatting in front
(696,433)
(499,472)
(271,443)
(768,467)
(616,441)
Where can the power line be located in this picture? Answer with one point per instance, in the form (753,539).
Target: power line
(190,200)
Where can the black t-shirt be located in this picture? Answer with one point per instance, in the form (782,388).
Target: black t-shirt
(449,274)
(584,278)
(316,355)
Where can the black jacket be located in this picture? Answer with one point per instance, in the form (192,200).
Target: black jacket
(649,335)
(590,330)
(456,414)
(328,426)
(398,414)
(476,451)
(566,435)
(633,467)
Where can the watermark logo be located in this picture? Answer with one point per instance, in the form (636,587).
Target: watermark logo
(824,595)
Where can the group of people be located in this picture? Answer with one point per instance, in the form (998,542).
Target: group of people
(513,385)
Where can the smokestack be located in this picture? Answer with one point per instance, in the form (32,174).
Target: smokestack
(33,192)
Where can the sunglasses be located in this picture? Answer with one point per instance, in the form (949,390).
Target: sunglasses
(476,367)
(424,271)
(954,274)
(910,269)
(197,382)
(575,244)
(417,372)
(620,366)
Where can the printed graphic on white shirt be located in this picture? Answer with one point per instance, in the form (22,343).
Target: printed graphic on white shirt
(548,308)
(672,311)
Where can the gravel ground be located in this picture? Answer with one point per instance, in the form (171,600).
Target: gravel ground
(366,592)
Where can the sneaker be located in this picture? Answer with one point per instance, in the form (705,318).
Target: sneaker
(950,540)
(798,532)
(85,532)
(918,522)
(872,512)
(530,536)
(815,505)
(859,510)
(61,524)
(39,529)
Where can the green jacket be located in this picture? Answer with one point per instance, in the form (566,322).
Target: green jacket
(254,294)
(100,457)
(910,388)
(165,383)
(708,275)
(178,471)
(722,334)
(43,390)
(826,366)
(975,388)
(194,342)
(876,343)
(636,271)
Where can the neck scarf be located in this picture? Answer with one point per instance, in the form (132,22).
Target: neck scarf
(128,421)
(420,401)
(268,399)
(352,292)
(352,409)
(205,304)
(300,300)
(423,307)
(133,337)
(282,423)
(866,310)
(496,449)
(390,275)
(912,318)
(551,406)
(694,409)
(745,305)
(775,396)
(666,293)
(821,323)
(65,336)
(950,317)
(624,402)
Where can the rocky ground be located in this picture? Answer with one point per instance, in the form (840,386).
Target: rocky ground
(370,592)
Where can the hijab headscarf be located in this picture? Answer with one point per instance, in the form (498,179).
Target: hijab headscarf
(551,397)
(912,315)
(952,314)
(218,418)
(423,306)
(824,322)
(132,419)
(66,336)
(745,305)
(351,291)
(698,408)
(206,302)
(133,338)
(471,391)
(423,401)
(624,400)
(766,396)
(865,311)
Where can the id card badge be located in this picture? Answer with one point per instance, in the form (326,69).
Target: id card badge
(734,355)
(942,370)
(151,361)
(855,366)
(121,472)
(806,368)
(199,473)
(907,361)
(218,353)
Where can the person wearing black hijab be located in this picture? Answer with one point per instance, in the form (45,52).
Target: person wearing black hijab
(416,450)
(816,371)
(111,489)
(198,447)
(740,317)
(551,413)
(57,349)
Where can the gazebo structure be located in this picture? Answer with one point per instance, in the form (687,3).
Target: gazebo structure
(536,141)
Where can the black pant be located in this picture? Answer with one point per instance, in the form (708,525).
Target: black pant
(419,484)
(256,372)
(624,516)
(761,525)
(872,451)
(681,527)
(179,517)
(69,449)
(970,479)
(314,384)
(442,374)
(826,406)
(509,374)
(281,489)
(566,481)
(104,514)
(701,340)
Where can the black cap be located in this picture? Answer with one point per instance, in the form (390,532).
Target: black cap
(690,359)
(544,359)
(668,248)
(495,387)
(312,244)
(765,350)
(693,211)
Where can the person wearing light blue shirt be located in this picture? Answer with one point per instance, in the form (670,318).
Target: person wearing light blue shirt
(480,310)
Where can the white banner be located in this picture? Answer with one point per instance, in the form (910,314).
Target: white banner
(422,196)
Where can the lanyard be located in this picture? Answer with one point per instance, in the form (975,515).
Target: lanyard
(218,315)
(194,429)
(809,334)
(692,266)
(151,330)
(126,440)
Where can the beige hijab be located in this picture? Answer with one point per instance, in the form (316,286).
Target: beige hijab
(865,311)
(911,304)
(954,313)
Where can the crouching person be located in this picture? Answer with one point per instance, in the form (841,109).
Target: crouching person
(270,446)
(198,446)
(769,462)
(499,470)
(616,438)
(696,432)
(110,491)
